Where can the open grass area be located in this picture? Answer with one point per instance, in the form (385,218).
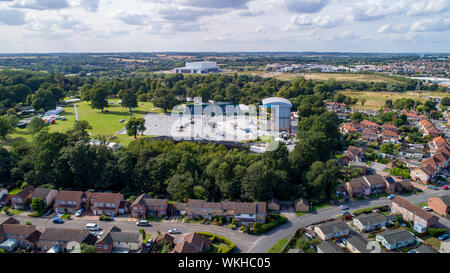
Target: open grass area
(435,242)
(66,216)
(320,206)
(278,246)
(375,100)
(300,213)
(12,211)
(107,123)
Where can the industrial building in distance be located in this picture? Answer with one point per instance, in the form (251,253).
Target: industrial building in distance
(198,68)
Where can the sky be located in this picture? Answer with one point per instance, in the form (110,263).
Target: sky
(41,26)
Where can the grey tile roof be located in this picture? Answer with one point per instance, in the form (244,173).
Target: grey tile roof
(371,219)
(334,226)
(329,247)
(359,242)
(426,249)
(396,236)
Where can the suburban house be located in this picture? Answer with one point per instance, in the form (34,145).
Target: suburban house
(145,205)
(370,135)
(301,205)
(328,247)
(192,243)
(425,174)
(440,204)
(103,203)
(389,127)
(437,143)
(413,213)
(366,185)
(366,124)
(412,116)
(116,241)
(25,236)
(358,165)
(48,195)
(394,239)
(348,129)
(427,128)
(352,153)
(70,201)
(370,222)
(390,136)
(273,204)
(330,230)
(164,237)
(61,237)
(244,213)
(358,244)
(19,200)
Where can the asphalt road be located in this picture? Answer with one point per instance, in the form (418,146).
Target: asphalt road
(244,242)
(264,242)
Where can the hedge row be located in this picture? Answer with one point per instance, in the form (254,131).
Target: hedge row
(213,236)
(273,221)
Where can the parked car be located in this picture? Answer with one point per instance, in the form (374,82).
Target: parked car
(100,234)
(142,223)
(174,231)
(445,187)
(343,207)
(392,196)
(79,212)
(58,221)
(443,237)
(427,208)
(149,243)
(92,227)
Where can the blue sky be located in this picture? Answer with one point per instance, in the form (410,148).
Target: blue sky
(224,25)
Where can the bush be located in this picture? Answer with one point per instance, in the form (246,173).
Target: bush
(105,218)
(272,222)
(220,239)
(436,232)
(28,223)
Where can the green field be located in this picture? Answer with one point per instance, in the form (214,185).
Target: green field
(106,123)
(374,100)
(278,246)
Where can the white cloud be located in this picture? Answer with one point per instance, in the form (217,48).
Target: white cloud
(304,6)
(436,24)
(42,4)
(302,21)
(12,17)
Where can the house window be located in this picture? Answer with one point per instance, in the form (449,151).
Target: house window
(100,204)
(108,205)
(105,247)
(113,205)
(69,202)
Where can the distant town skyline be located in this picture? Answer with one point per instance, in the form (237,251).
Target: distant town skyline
(403,26)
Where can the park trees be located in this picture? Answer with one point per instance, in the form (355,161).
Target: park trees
(36,125)
(79,132)
(135,126)
(164,99)
(129,99)
(98,97)
(5,127)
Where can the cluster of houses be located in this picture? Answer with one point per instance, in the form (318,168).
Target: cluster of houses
(14,235)
(431,167)
(339,236)
(372,132)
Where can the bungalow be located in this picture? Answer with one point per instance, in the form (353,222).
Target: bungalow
(412,213)
(192,243)
(394,239)
(60,237)
(328,247)
(370,222)
(330,230)
(105,203)
(358,244)
(19,200)
(440,204)
(145,205)
(48,195)
(26,235)
(70,201)
(114,240)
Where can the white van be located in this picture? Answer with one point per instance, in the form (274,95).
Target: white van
(92,227)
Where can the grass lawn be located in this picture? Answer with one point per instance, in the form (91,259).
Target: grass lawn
(435,242)
(13,211)
(300,213)
(66,216)
(320,206)
(374,100)
(15,191)
(422,204)
(278,246)
(147,237)
(106,123)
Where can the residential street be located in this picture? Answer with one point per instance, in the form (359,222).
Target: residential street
(244,242)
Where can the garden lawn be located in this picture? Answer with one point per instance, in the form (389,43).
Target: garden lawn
(66,216)
(435,242)
(278,246)
(15,191)
(106,123)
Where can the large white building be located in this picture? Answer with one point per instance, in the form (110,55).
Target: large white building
(281,113)
(198,68)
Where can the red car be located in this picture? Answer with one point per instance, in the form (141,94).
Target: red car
(445,187)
